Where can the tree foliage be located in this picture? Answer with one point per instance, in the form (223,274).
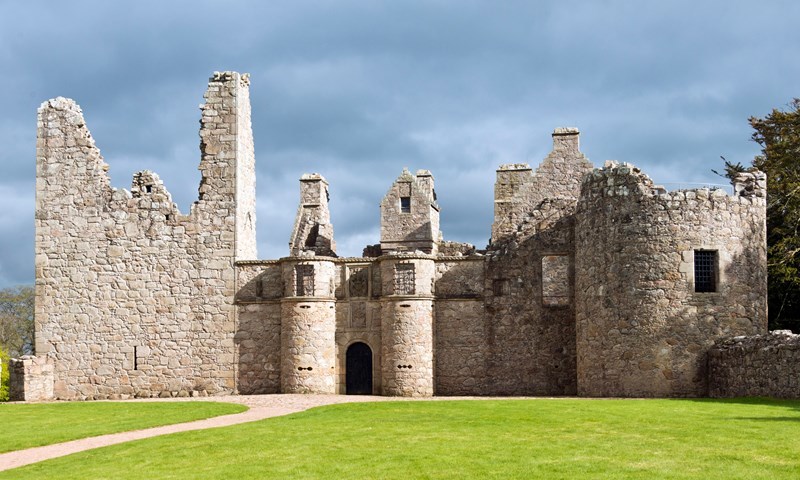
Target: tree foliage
(4,374)
(16,320)
(731,169)
(779,136)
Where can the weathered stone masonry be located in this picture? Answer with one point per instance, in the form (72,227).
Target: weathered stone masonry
(588,285)
(134,298)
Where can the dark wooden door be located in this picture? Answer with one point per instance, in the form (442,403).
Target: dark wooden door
(358,371)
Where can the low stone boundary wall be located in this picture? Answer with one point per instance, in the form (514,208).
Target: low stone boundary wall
(755,366)
(30,378)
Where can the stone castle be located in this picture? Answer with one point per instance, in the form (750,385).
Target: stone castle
(596,282)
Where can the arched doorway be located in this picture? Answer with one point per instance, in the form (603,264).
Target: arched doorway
(358,369)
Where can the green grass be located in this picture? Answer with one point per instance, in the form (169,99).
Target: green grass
(33,425)
(564,438)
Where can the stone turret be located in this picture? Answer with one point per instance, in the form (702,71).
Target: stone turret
(313,231)
(407,324)
(410,214)
(656,278)
(308,326)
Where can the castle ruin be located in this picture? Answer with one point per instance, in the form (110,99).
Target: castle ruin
(596,282)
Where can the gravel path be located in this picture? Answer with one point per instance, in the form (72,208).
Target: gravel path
(261,406)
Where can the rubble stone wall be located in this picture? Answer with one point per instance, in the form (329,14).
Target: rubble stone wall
(31,378)
(531,343)
(519,190)
(755,366)
(642,330)
(461,352)
(134,298)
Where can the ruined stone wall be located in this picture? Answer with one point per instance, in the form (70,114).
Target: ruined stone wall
(532,341)
(132,297)
(31,378)
(246,246)
(518,190)
(530,271)
(756,366)
(642,330)
(313,231)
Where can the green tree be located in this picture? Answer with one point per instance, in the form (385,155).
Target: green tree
(779,136)
(16,320)
(4,375)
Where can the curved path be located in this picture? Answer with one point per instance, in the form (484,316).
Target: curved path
(261,407)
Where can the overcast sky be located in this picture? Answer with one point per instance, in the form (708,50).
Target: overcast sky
(357,90)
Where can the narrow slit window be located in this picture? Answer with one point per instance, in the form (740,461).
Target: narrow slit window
(136,358)
(260,287)
(405,204)
(705,271)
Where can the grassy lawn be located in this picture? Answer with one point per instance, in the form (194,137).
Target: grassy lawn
(34,425)
(565,438)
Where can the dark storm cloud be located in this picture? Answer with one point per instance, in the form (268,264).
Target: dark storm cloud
(357,90)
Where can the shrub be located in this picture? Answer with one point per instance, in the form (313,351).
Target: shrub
(4,376)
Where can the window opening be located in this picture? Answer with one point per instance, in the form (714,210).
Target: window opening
(705,269)
(148,188)
(136,358)
(499,287)
(304,276)
(260,287)
(405,204)
(404,280)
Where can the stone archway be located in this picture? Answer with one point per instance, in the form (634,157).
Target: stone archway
(358,369)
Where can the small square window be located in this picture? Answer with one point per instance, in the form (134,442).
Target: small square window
(405,204)
(705,271)
(499,287)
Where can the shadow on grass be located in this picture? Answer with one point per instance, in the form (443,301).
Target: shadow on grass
(793,405)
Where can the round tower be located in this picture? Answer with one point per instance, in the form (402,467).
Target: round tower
(308,326)
(407,324)
(660,276)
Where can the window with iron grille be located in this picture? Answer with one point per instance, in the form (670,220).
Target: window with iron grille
(304,280)
(404,281)
(705,271)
